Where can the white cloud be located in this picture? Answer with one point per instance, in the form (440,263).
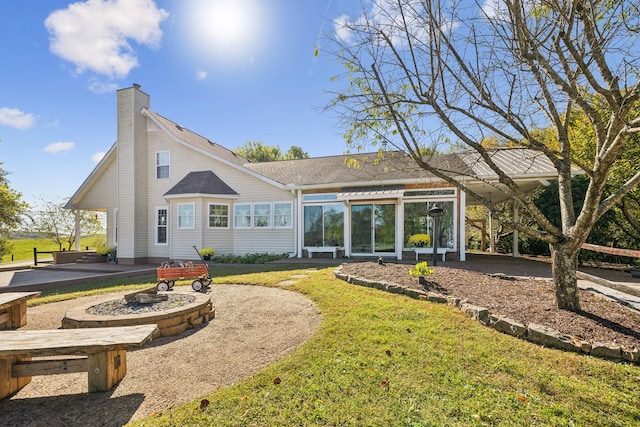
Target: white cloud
(100,88)
(59,147)
(97,157)
(201,74)
(15,118)
(94,35)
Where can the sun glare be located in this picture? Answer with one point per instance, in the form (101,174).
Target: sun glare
(226,30)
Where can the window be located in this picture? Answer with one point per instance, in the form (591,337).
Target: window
(218,216)
(186,215)
(324,225)
(262,215)
(242,216)
(283,215)
(416,221)
(161,225)
(162,164)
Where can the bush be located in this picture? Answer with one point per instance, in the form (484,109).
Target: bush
(257,258)
(103,250)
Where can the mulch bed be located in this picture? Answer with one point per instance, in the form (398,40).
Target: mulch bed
(525,300)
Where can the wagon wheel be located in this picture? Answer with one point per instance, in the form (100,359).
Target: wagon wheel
(197,285)
(171,283)
(162,286)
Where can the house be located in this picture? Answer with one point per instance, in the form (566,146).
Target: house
(166,189)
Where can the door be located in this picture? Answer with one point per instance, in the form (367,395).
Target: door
(373,228)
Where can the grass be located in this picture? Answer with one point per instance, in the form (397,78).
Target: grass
(22,249)
(382,359)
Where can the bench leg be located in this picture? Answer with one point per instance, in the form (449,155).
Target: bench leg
(8,384)
(106,369)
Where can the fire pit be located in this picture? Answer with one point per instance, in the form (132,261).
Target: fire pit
(175,315)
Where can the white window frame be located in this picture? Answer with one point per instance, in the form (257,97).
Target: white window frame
(162,165)
(180,216)
(257,217)
(236,216)
(289,216)
(158,225)
(209,216)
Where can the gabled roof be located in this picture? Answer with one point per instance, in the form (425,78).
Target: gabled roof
(196,140)
(201,183)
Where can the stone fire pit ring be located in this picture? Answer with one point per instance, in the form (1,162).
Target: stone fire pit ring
(170,322)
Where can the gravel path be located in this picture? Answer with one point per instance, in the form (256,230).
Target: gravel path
(254,327)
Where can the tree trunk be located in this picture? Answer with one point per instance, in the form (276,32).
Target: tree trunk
(563,267)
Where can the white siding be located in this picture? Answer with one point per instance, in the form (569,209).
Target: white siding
(224,241)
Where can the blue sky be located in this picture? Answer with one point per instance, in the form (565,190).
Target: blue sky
(231,70)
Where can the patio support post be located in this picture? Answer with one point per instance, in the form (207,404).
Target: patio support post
(516,216)
(462,228)
(492,240)
(77,229)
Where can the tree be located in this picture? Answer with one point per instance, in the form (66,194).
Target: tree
(58,224)
(11,210)
(257,152)
(421,73)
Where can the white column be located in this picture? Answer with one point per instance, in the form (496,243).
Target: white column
(492,241)
(300,223)
(462,228)
(516,216)
(399,229)
(347,229)
(77,230)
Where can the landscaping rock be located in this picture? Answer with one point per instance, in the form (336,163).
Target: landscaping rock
(606,350)
(437,298)
(415,293)
(549,337)
(507,326)
(480,314)
(631,355)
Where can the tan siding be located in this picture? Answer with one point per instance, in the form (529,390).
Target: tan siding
(250,189)
(104,192)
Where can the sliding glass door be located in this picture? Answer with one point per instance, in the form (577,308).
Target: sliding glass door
(373,228)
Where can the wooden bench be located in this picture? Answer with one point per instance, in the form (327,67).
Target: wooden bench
(332,249)
(429,251)
(13,308)
(104,351)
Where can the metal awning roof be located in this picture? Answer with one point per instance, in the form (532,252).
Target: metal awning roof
(385,192)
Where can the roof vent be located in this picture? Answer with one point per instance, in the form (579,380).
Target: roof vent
(178,127)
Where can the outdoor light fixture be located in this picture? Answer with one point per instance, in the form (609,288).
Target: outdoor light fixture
(436,213)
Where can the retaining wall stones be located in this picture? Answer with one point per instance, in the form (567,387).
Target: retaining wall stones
(535,333)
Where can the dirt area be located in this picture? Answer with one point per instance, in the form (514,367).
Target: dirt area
(525,300)
(254,327)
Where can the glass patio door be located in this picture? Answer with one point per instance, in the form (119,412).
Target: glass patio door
(373,228)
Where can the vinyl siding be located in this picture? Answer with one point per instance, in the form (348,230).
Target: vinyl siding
(225,241)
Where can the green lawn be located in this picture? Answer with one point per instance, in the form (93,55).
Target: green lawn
(382,359)
(22,249)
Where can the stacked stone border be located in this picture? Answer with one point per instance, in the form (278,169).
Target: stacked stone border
(536,333)
(170,322)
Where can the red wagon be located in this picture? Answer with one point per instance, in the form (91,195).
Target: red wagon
(168,276)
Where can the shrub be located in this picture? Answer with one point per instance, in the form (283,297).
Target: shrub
(103,250)
(419,240)
(421,269)
(206,252)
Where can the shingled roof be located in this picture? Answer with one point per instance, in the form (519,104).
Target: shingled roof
(198,141)
(397,166)
(201,183)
